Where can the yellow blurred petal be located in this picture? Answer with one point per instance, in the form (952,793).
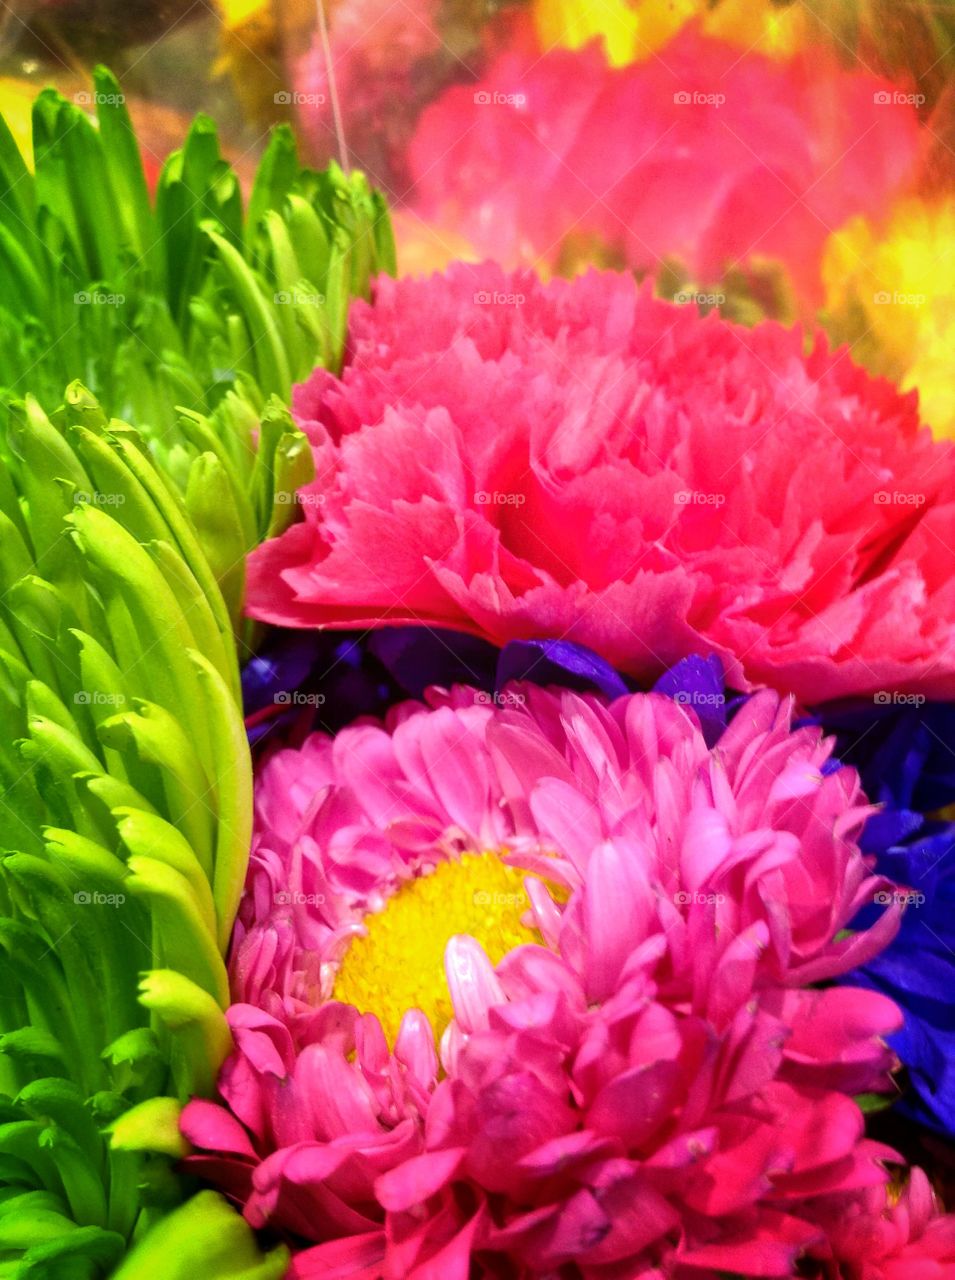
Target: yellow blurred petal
(891,291)
(573,23)
(16,105)
(423,248)
(758,25)
(632,31)
(243,13)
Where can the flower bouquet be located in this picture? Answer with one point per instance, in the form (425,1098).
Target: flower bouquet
(479,772)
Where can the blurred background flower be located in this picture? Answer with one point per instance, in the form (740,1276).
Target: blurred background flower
(890,291)
(634,29)
(555,160)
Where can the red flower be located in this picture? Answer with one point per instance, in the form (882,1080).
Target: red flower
(581,460)
(699,154)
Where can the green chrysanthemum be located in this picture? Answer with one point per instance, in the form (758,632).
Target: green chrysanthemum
(125,776)
(124,825)
(190,315)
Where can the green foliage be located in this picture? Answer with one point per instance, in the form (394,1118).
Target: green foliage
(188,316)
(125,776)
(202,1238)
(125,816)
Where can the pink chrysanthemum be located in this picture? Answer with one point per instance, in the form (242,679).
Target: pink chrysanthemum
(583,461)
(699,155)
(523,991)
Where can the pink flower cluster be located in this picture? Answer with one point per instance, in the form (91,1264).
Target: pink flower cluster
(580,460)
(698,156)
(649,1088)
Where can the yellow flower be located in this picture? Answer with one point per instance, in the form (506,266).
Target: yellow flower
(760,25)
(635,30)
(16,107)
(890,292)
(250,54)
(244,14)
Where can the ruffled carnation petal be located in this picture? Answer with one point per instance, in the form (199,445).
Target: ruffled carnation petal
(580,463)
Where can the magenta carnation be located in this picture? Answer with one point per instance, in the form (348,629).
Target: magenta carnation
(879,1235)
(583,461)
(523,990)
(698,155)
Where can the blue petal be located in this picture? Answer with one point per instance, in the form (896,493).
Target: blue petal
(558,662)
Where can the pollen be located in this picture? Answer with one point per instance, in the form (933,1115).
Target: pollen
(398,963)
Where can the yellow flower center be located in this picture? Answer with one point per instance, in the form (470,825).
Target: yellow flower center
(398,963)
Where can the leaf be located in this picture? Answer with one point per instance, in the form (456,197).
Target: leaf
(153,1125)
(204,1237)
